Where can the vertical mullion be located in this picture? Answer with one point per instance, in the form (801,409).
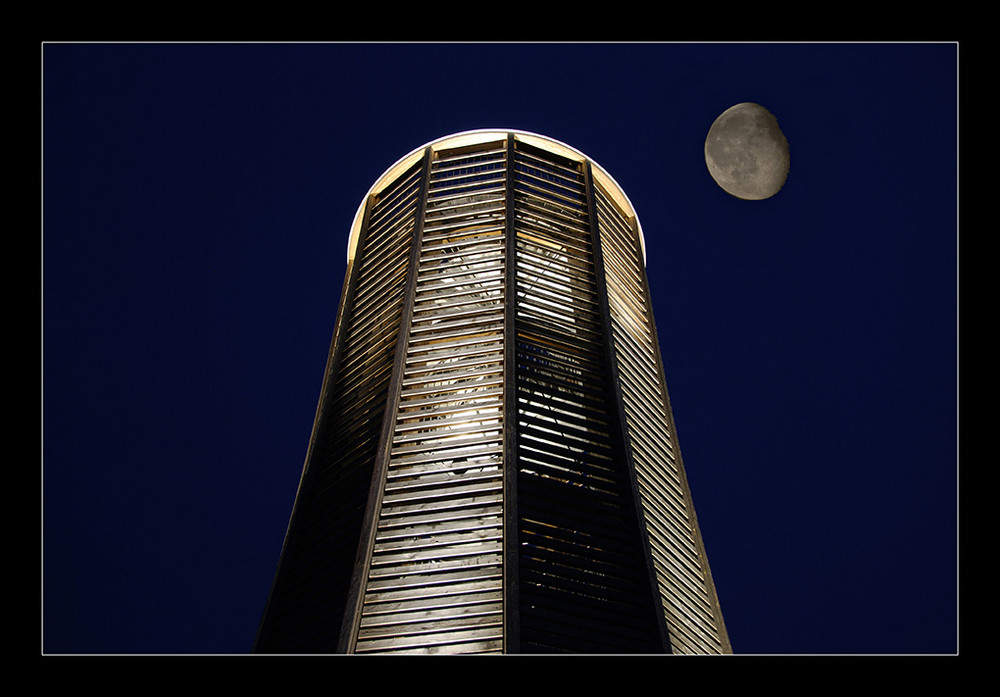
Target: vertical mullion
(619,408)
(359,579)
(511,574)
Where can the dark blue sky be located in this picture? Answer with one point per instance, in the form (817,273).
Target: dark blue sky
(197,202)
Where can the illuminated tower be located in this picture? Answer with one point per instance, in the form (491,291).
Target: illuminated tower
(493,465)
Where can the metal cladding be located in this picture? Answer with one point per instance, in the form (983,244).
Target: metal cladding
(493,466)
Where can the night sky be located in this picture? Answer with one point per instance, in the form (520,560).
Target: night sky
(197,200)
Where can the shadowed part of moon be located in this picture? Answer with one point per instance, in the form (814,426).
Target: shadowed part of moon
(746,152)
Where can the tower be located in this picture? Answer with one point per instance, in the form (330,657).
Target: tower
(493,465)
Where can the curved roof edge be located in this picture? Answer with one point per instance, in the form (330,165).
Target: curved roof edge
(482,135)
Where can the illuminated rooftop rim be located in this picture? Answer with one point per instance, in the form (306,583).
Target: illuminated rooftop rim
(481,136)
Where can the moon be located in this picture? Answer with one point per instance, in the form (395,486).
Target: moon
(746,152)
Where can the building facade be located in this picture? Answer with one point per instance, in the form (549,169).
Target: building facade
(493,466)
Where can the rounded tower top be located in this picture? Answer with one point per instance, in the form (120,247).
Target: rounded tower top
(474,137)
